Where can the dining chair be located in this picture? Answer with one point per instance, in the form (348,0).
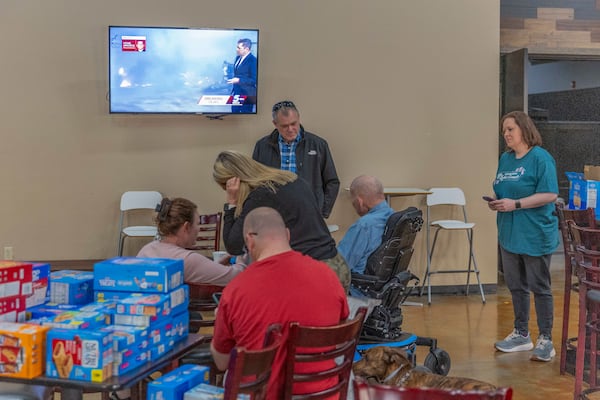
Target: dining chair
(209,236)
(321,356)
(582,218)
(587,248)
(249,371)
(201,309)
(455,198)
(373,391)
(137,202)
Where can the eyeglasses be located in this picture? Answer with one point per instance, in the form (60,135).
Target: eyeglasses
(283,104)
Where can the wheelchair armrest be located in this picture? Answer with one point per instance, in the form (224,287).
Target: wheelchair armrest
(363,280)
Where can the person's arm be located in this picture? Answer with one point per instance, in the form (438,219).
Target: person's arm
(233,236)
(533,201)
(202,270)
(353,249)
(248,78)
(221,359)
(331,182)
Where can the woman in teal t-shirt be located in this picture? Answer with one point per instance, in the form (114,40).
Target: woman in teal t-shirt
(526,187)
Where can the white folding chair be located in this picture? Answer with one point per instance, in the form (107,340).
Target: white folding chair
(451,197)
(136,200)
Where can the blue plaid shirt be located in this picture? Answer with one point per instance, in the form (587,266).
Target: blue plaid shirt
(288,153)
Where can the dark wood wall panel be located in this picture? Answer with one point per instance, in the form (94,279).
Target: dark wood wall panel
(550,26)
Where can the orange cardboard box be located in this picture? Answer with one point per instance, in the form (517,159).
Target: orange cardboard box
(22,349)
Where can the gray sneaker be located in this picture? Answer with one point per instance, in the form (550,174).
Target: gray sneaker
(515,342)
(544,350)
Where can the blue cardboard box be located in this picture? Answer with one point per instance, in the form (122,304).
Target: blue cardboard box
(129,337)
(78,320)
(71,287)
(85,355)
(40,284)
(153,304)
(135,274)
(583,193)
(173,385)
(106,295)
(205,391)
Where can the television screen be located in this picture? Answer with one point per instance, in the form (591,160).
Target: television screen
(182,70)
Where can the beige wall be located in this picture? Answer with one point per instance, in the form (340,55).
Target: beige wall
(405,90)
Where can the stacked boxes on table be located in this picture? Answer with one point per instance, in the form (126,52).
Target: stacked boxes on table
(152,298)
(584,188)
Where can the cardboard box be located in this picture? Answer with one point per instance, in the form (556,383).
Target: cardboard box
(85,355)
(15,278)
(583,193)
(173,385)
(22,349)
(71,287)
(106,295)
(591,172)
(205,391)
(40,285)
(129,337)
(135,274)
(77,320)
(153,304)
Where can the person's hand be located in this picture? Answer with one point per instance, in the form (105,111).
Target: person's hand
(502,205)
(233,81)
(225,260)
(232,187)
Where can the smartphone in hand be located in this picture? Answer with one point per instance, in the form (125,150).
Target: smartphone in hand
(488,198)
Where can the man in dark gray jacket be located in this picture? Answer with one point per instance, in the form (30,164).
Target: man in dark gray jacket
(290,147)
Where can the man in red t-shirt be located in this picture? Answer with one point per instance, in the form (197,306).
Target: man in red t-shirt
(280,286)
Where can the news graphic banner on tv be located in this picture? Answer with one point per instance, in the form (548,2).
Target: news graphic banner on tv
(160,70)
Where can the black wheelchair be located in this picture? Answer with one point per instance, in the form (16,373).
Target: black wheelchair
(388,279)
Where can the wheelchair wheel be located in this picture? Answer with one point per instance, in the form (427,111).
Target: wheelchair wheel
(438,361)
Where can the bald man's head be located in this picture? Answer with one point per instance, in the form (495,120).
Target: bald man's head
(366,192)
(265,233)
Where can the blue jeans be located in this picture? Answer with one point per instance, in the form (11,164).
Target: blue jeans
(522,274)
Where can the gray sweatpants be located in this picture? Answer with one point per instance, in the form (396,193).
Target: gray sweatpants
(524,274)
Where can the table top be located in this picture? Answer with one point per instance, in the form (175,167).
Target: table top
(118,382)
(404,191)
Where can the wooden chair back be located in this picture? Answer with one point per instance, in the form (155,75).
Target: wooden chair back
(368,391)
(201,304)
(584,218)
(249,370)
(209,237)
(311,344)
(587,247)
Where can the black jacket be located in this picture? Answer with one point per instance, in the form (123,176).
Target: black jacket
(313,162)
(308,233)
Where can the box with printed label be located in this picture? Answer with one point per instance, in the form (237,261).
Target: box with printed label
(129,337)
(180,299)
(78,320)
(49,310)
(205,391)
(583,193)
(106,295)
(173,385)
(134,320)
(144,275)
(128,360)
(15,278)
(151,304)
(179,327)
(22,349)
(40,285)
(159,331)
(84,355)
(71,287)
(12,309)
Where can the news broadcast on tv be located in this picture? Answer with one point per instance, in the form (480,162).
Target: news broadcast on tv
(182,70)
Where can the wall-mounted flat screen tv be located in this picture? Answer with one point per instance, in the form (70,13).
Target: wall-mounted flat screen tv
(160,70)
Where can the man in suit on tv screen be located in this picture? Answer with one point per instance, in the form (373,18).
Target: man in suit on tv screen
(244,76)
